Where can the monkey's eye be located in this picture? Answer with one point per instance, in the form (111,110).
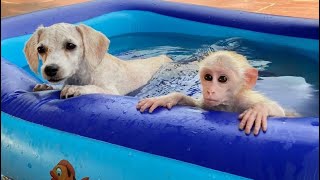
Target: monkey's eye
(223,79)
(70,46)
(208,77)
(41,49)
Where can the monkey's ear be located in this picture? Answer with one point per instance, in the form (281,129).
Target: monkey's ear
(251,77)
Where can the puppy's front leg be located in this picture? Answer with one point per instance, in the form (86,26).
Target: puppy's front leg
(42,87)
(73,90)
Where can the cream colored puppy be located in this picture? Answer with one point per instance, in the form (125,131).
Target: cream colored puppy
(76,55)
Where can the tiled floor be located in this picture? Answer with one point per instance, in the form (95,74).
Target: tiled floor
(16,7)
(295,8)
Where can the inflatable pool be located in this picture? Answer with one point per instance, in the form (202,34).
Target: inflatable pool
(105,137)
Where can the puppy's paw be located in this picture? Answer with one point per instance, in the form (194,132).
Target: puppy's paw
(71,91)
(42,87)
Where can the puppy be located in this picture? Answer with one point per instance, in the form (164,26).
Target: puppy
(75,55)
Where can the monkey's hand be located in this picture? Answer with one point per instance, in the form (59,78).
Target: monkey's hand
(256,115)
(167,101)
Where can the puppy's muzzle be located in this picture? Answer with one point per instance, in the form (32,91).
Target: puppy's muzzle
(51,70)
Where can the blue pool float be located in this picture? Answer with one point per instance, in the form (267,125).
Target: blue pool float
(106,138)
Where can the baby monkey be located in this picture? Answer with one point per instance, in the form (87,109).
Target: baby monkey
(227,80)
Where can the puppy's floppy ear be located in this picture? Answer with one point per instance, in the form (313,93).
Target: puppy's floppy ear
(251,77)
(95,44)
(30,50)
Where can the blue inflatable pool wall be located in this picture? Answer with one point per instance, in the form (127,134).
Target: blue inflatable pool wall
(115,141)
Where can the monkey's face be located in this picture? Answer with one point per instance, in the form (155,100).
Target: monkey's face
(218,85)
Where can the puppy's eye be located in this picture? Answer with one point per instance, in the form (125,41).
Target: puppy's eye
(41,49)
(208,77)
(70,46)
(223,79)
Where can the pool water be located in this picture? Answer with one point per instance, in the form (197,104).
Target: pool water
(286,75)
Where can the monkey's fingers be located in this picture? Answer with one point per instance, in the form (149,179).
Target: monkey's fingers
(257,124)
(250,121)
(169,105)
(146,106)
(264,122)
(245,119)
(143,100)
(242,114)
(141,103)
(155,105)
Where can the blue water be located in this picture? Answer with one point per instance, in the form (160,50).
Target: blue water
(286,75)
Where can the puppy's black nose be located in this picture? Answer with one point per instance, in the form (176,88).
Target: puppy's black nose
(51,70)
